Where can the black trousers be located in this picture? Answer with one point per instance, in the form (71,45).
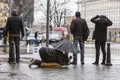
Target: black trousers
(98,45)
(14,42)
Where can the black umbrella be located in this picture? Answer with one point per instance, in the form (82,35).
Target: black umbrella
(66,46)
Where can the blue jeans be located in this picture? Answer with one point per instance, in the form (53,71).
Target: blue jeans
(14,42)
(76,40)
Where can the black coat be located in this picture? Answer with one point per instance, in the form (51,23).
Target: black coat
(14,25)
(53,55)
(78,26)
(100,32)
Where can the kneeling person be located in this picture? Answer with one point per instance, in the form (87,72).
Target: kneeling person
(51,57)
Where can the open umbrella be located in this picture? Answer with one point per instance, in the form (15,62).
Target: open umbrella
(66,46)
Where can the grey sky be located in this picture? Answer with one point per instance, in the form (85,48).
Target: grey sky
(72,6)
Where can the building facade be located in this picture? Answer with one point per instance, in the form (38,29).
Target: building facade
(4,13)
(110,8)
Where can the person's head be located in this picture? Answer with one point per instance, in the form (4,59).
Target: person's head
(14,12)
(77,14)
(102,17)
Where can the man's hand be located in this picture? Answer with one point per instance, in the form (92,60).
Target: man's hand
(97,16)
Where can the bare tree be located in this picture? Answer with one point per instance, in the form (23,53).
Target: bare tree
(58,10)
(24,7)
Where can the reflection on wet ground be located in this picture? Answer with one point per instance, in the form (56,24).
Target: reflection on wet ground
(72,72)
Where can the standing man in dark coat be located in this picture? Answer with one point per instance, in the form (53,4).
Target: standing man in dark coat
(78,26)
(100,35)
(15,27)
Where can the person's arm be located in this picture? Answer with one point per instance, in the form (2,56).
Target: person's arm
(6,29)
(22,28)
(72,26)
(94,19)
(109,22)
(86,31)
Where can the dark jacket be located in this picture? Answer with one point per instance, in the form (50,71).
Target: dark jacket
(100,32)
(53,55)
(78,26)
(14,25)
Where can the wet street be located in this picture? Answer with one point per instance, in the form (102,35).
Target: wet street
(79,72)
(72,72)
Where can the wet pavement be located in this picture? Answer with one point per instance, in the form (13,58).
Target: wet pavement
(72,72)
(85,72)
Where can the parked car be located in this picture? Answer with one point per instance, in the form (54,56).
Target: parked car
(54,37)
(60,33)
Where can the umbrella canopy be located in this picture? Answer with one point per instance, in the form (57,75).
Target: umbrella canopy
(66,46)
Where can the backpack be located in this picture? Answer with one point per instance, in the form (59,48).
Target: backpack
(86,33)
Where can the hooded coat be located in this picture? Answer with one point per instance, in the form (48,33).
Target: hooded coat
(53,55)
(101,24)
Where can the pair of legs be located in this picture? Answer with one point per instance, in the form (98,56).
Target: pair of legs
(98,45)
(79,40)
(14,42)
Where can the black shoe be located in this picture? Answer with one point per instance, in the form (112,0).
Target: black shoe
(18,62)
(95,63)
(12,62)
(74,63)
(103,63)
(8,61)
(82,63)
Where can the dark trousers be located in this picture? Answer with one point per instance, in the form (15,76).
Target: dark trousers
(99,44)
(14,42)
